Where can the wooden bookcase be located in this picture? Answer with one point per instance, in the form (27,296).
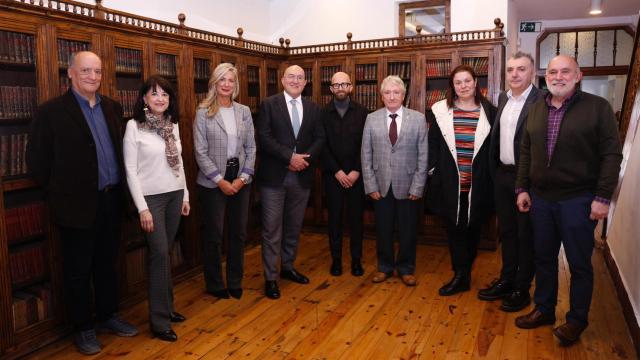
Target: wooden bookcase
(35,44)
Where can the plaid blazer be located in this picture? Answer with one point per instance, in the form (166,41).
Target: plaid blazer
(210,144)
(404,164)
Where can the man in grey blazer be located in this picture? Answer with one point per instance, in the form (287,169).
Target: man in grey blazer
(394,171)
(504,152)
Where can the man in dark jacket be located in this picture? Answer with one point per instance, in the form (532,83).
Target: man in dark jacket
(569,164)
(75,152)
(343,124)
(515,227)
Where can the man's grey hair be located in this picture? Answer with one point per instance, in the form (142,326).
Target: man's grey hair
(521,54)
(393,80)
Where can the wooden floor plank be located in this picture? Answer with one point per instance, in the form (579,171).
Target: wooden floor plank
(349,317)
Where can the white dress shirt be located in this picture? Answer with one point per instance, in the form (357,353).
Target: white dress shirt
(509,123)
(288,99)
(398,120)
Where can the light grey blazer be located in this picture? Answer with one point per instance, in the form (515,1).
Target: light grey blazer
(404,165)
(210,144)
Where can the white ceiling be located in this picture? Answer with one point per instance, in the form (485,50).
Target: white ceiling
(572,9)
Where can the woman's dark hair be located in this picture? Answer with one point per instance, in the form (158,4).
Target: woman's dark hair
(451,92)
(154,82)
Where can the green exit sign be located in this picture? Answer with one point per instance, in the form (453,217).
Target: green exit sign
(530,26)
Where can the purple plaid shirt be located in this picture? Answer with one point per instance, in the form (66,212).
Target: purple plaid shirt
(554,121)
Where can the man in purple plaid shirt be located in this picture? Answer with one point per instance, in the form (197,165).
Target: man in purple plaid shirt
(569,163)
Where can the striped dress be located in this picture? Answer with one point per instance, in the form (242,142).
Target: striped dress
(464,127)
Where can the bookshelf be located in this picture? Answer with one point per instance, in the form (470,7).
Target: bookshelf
(437,80)
(326,72)
(35,43)
(366,85)
(201,72)
(253,87)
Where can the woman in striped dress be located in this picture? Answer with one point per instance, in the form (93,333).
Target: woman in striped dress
(459,186)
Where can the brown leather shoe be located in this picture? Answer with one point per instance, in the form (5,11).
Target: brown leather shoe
(534,319)
(568,333)
(409,279)
(380,276)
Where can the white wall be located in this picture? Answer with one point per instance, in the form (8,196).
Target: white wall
(305,22)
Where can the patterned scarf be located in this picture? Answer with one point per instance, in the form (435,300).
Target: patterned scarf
(164,127)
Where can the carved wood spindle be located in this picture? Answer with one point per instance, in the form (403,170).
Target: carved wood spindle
(181,28)
(576,48)
(281,41)
(287,42)
(595,48)
(349,43)
(615,46)
(418,30)
(558,44)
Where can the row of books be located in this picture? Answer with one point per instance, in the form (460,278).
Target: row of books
(16,47)
(25,221)
(27,263)
(68,47)
(367,95)
(272,76)
(433,96)
(308,74)
(166,65)
(253,74)
(325,99)
(200,97)
(17,102)
(13,148)
(438,68)
(65,83)
(31,305)
(326,73)
(367,72)
(252,103)
(201,68)
(479,64)
(128,60)
(401,69)
(128,101)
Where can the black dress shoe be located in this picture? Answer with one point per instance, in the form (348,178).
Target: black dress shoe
(176,317)
(336,268)
(220,294)
(167,335)
(498,289)
(356,269)
(235,293)
(294,276)
(516,301)
(459,283)
(271,289)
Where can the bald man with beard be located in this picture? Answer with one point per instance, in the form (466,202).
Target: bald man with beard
(569,163)
(291,137)
(343,121)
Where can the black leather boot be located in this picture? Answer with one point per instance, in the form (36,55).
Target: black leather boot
(459,283)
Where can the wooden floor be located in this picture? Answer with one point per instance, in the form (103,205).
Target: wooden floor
(351,318)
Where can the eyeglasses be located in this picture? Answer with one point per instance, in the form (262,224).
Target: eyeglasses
(340,86)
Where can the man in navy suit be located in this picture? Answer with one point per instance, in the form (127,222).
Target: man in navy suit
(291,137)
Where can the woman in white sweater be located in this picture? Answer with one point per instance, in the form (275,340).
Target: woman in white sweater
(155,174)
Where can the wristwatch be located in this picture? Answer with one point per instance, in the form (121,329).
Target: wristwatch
(244,179)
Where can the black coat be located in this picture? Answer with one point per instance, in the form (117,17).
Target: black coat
(442,197)
(61,155)
(276,140)
(494,152)
(344,137)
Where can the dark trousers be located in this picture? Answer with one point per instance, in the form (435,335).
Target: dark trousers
(389,210)
(91,254)
(516,236)
(214,203)
(283,210)
(336,198)
(463,238)
(165,210)
(563,222)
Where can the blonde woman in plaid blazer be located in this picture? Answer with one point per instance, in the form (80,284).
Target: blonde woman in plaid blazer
(225,151)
